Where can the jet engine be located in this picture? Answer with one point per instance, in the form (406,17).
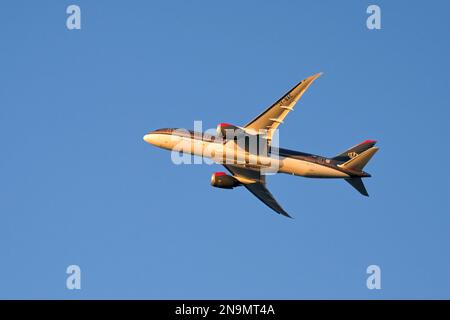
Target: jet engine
(224,181)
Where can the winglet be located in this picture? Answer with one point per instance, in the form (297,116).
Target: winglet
(310,80)
(287,215)
(314,76)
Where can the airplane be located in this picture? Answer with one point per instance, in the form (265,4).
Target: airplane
(249,168)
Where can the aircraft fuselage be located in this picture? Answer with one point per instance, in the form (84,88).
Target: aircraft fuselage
(277,160)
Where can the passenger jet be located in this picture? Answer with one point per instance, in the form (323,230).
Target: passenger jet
(249,166)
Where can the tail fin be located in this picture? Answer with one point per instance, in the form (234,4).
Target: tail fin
(355,150)
(358,184)
(359,162)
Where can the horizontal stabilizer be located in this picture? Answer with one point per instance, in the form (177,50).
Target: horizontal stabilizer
(358,184)
(359,162)
(355,150)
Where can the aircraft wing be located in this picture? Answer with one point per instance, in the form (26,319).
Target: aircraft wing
(274,115)
(256,184)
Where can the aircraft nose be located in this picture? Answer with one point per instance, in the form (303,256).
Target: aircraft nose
(149,138)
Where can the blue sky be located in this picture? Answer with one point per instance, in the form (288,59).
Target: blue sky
(79,186)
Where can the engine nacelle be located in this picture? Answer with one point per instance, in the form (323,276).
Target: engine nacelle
(224,181)
(224,129)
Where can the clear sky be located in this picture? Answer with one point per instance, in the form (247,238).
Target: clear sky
(78,185)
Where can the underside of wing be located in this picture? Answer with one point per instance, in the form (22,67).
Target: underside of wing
(273,116)
(261,192)
(256,184)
